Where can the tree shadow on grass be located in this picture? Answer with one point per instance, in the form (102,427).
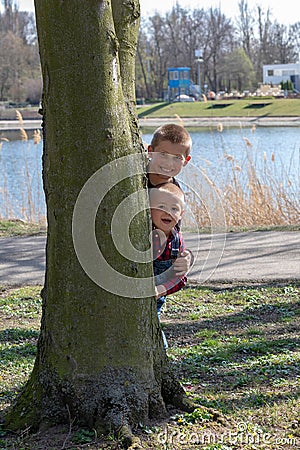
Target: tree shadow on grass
(152,110)
(252,314)
(20,345)
(249,353)
(13,335)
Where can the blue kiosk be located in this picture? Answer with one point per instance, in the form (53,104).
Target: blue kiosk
(179,81)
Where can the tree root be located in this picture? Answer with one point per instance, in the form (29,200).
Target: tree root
(128,439)
(174,394)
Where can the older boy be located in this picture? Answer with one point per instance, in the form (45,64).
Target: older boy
(169,152)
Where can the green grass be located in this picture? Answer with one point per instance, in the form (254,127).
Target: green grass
(259,106)
(235,108)
(10,228)
(235,350)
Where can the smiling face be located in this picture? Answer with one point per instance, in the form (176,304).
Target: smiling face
(166,161)
(166,209)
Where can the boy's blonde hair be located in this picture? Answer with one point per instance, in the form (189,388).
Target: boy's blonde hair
(173,133)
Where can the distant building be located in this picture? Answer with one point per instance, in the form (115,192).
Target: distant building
(276,73)
(179,81)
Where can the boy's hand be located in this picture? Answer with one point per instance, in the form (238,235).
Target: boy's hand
(182,264)
(159,291)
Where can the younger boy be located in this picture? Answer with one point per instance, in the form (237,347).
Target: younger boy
(166,207)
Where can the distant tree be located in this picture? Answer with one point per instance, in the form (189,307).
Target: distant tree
(19,23)
(219,41)
(143,73)
(9,17)
(245,26)
(171,39)
(11,66)
(294,34)
(287,85)
(157,53)
(238,71)
(282,48)
(33,91)
(19,53)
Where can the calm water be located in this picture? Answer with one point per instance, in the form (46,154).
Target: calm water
(278,148)
(273,151)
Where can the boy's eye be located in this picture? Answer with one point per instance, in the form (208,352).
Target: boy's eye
(167,155)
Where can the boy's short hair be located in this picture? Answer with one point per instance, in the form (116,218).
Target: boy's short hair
(172,189)
(173,133)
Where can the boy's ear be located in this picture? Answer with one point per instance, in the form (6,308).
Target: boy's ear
(150,149)
(187,159)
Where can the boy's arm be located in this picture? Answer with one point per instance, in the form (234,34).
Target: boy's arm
(169,287)
(171,284)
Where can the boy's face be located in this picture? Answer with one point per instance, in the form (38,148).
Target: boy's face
(166,210)
(167,159)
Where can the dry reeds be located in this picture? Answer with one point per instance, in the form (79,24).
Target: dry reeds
(250,198)
(37,137)
(24,136)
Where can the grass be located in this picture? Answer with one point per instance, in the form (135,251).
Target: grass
(9,228)
(235,350)
(251,107)
(235,108)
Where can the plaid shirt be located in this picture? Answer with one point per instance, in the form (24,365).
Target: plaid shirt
(163,253)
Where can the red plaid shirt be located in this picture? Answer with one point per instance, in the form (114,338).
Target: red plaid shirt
(163,253)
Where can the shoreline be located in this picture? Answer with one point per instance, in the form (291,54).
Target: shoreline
(202,122)
(196,122)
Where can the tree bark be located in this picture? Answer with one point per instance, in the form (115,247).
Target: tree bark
(100,358)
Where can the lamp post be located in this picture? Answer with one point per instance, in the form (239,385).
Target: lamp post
(198,56)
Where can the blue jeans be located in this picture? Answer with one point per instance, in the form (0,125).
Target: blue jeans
(160,302)
(161,272)
(159,268)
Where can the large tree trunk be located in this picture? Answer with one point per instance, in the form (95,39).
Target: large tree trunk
(100,357)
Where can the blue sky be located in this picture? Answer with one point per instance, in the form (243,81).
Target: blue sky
(285,12)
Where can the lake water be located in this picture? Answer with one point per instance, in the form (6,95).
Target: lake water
(273,151)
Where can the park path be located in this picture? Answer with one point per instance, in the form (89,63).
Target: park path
(230,258)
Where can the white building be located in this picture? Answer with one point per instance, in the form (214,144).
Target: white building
(276,73)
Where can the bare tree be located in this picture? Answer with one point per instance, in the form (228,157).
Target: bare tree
(245,26)
(12,64)
(281,48)
(220,39)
